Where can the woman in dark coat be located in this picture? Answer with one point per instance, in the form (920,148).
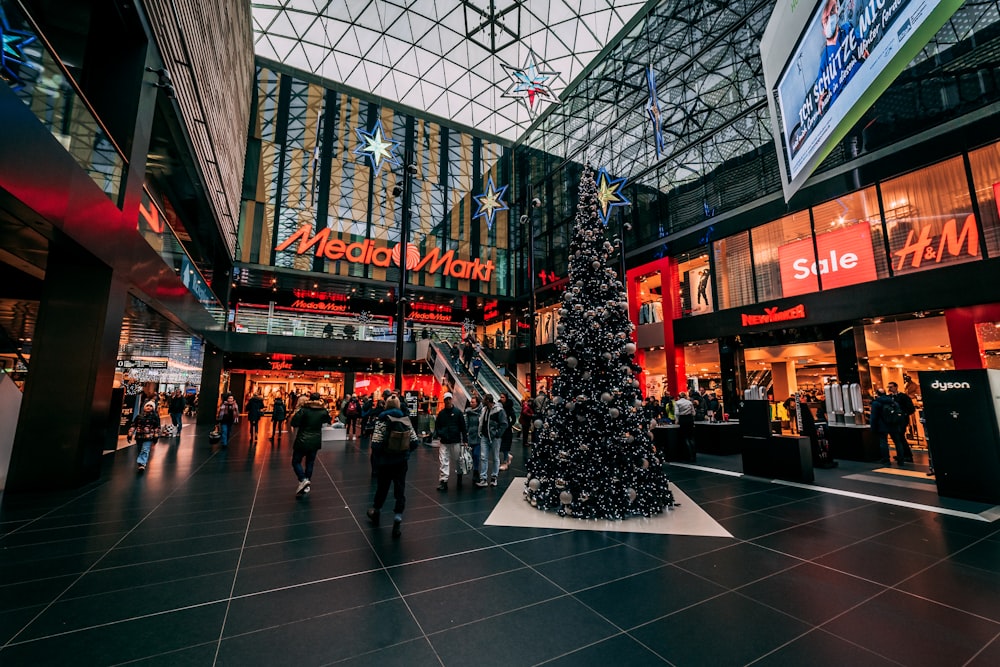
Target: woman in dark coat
(255,408)
(278,416)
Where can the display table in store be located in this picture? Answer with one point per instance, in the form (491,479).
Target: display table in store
(717,437)
(786,457)
(332,434)
(853,442)
(669,446)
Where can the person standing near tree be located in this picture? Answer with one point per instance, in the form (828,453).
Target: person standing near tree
(507,439)
(450,427)
(308,421)
(493,424)
(898,431)
(684,411)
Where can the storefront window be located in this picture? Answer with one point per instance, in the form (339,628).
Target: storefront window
(986,175)
(783,257)
(928,216)
(849,240)
(732,263)
(989,342)
(695,282)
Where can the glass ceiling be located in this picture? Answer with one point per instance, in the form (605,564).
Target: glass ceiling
(492,65)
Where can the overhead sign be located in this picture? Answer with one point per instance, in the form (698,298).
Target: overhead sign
(367,252)
(845,258)
(772,315)
(825,63)
(920,248)
(141,363)
(427,312)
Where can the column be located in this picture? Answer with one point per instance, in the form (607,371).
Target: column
(63,421)
(783,377)
(733,370)
(208,394)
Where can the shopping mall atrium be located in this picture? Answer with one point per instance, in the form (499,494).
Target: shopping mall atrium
(793,210)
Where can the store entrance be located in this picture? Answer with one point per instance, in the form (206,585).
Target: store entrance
(785,370)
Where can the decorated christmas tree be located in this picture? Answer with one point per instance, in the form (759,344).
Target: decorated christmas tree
(593,456)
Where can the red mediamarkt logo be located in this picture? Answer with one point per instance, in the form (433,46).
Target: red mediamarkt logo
(366,252)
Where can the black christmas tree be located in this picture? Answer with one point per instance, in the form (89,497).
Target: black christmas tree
(593,456)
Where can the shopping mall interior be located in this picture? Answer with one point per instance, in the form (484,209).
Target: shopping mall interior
(793,209)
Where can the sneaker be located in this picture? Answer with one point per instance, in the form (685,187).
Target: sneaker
(373,516)
(481,484)
(397,527)
(493,481)
(141,468)
(503,466)
(443,486)
(302,487)
(306,490)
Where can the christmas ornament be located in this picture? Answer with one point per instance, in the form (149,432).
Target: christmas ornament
(609,194)
(653,111)
(376,147)
(490,203)
(532,83)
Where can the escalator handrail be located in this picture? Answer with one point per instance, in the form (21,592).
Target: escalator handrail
(512,390)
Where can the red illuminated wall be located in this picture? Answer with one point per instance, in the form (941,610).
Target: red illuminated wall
(671,307)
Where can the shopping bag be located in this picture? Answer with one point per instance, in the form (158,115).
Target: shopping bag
(214,436)
(465,461)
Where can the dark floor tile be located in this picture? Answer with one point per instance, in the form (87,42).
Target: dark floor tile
(122,642)
(924,540)
(195,546)
(989,656)
(807,541)
(195,656)
(959,524)
(864,522)
(627,602)
(174,570)
(13,620)
(422,576)
(93,610)
(753,502)
(597,567)
(560,545)
(914,631)
(298,603)
(471,600)
(414,653)
(877,562)
(738,565)
(821,649)
(814,509)
(618,650)
(413,546)
(295,571)
(755,524)
(150,532)
(721,509)
(534,634)
(698,635)
(39,591)
(57,538)
(984,554)
(45,565)
(971,589)
(811,593)
(324,638)
(302,547)
(672,548)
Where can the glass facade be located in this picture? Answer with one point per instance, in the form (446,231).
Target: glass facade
(314,195)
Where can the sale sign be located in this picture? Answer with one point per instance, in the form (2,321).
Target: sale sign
(845,258)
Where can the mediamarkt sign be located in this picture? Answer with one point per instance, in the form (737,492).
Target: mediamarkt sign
(366,252)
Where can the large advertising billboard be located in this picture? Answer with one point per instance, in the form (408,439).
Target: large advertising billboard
(825,63)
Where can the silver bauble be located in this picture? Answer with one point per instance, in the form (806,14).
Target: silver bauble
(595,265)
(581,418)
(614,413)
(585,375)
(606,397)
(606,355)
(571,362)
(534,484)
(630,348)
(631,495)
(560,483)
(538,424)
(565,497)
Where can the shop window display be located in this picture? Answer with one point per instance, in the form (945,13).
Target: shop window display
(929,219)
(783,257)
(695,282)
(849,239)
(732,262)
(985,164)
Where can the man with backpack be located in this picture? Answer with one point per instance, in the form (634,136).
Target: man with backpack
(392,442)
(352,410)
(903,452)
(888,418)
(450,427)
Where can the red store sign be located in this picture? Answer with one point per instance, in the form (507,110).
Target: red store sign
(845,258)
(772,315)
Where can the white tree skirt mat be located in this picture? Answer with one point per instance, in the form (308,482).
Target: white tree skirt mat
(687,518)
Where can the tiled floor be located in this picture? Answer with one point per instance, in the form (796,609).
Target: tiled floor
(209,559)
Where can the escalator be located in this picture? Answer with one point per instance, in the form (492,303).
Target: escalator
(460,379)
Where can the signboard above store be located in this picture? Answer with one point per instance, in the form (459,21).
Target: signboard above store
(772,315)
(141,363)
(367,252)
(845,258)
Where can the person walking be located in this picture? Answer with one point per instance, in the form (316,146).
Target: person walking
(352,410)
(526,420)
(229,416)
(450,427)
(888,418)
(493,423)
(255,408)
(898,433)
(308,420)
(176,410)
(473,413)
(684,411)
(145,430)
(392,441)
(508,435)
(477,366)
(279,413)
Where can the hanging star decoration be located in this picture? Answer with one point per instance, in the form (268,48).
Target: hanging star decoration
(12,52)
(609,195)
(377,147)
(653,110)
(490,202)
(532,83)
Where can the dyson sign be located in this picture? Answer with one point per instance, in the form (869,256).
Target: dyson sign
(845,258)
(945,386)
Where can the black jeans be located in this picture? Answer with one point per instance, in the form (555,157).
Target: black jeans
(394,473)
(310,457)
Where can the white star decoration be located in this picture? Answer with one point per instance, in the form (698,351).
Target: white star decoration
(532,83)
(376,146)
(490,202)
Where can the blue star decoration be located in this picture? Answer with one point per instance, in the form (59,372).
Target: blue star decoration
(377,147)
(532,83)
(609,195)
(490,202)
(653,111)
(12,52)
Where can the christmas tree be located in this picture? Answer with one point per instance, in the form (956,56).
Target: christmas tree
(593,456)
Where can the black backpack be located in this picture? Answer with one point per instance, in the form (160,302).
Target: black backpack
(893,414)
(397,436)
